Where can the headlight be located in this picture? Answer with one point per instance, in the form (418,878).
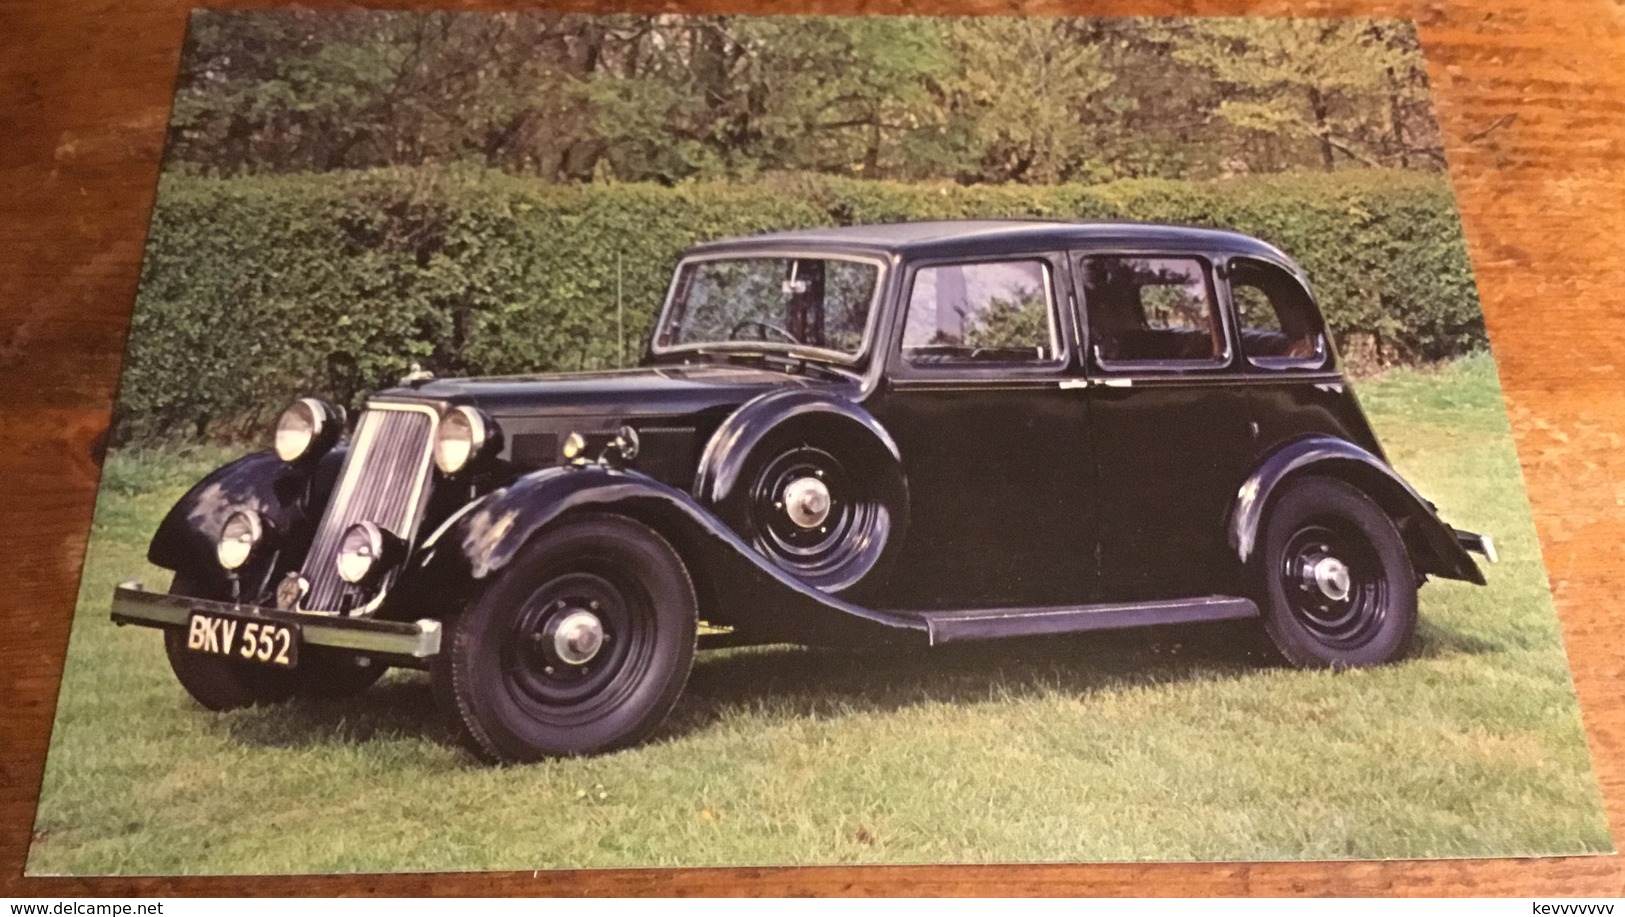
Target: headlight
(308,427)
(466,434)
(238,537)
(359,551)
(364,550)
(574,445)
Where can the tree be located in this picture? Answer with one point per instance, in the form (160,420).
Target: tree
(1024,98)
(1327,82)
(667,98)
(827,94)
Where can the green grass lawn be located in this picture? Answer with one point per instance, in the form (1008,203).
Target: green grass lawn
(1168,745)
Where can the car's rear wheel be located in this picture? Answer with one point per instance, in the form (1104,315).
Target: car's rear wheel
(1336,580)
(821,508)
(581,645)
(216,682)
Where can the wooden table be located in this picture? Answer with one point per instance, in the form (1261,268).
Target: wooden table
(1531,95)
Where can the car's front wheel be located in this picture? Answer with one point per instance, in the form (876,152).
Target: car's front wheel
(1336,580)
(581,645)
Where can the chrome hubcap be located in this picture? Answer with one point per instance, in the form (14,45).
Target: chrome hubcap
(1331,577)
(577,637)
(806,502)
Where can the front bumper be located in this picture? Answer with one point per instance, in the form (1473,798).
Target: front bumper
(398,641)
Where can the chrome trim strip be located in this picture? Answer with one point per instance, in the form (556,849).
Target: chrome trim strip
(989,624)
(416,640)
(982,384)
(451,520)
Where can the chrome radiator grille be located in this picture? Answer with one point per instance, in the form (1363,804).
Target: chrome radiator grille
(385,480)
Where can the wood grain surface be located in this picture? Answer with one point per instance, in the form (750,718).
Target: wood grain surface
(1531,94)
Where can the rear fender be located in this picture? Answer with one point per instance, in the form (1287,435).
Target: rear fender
(737,586)
(1434,546)
(286,497)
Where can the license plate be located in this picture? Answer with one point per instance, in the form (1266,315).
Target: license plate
(243,638)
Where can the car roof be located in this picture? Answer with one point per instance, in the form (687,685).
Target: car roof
(950,238)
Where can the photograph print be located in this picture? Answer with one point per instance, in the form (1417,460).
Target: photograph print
(559,441)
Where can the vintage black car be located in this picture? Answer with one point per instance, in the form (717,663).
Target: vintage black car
(933,432)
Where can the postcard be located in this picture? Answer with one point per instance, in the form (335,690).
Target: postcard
(560,441)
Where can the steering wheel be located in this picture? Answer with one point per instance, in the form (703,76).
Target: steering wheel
(765,327)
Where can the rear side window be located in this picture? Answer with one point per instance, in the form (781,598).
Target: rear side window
(1151,310)
(1279,326)
(985,312)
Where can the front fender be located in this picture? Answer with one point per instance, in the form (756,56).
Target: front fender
(1434,546)
(728,450)
(737,586)
(285,496)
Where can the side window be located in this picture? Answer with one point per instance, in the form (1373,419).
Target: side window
(985,312)
(1277,319)
(1150,310)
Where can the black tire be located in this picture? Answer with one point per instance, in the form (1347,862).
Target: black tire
(216,683)
(1315,617)
(852,547)
(516,699)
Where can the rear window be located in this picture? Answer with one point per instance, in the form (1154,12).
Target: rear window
(1279,326)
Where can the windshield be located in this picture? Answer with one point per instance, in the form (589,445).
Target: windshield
(818,303)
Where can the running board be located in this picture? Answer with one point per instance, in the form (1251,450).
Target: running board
(996,623)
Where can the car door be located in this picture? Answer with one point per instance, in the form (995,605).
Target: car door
(1171,441)
(983,396)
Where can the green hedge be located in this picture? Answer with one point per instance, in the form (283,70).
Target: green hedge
(257,290)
